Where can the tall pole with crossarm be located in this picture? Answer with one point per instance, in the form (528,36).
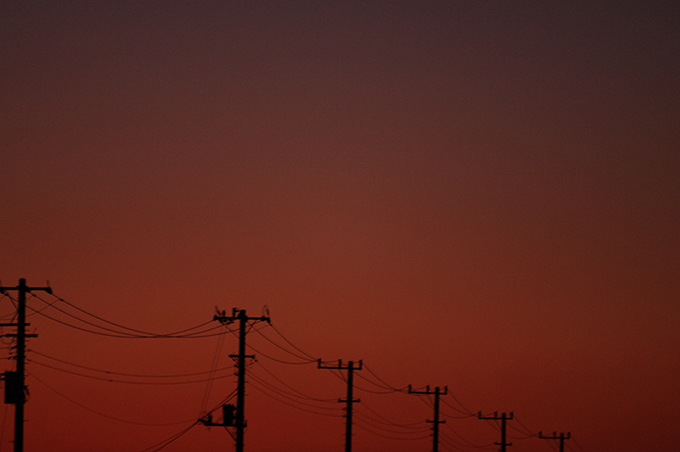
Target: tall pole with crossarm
(243,319)
(15,382)
(435,422)
(349,401)
(562,437)
(503,418)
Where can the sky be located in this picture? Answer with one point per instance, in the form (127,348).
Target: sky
(482,196)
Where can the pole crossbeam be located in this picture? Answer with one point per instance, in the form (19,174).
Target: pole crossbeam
(504,418)
(350,368)
(435,422)
(562,437)
(243,319)
(18,399)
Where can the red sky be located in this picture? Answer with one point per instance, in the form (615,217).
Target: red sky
(483,196)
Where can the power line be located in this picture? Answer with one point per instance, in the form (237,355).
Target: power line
(293,396)
(145,333)
(114,334)
(388,422)
(123,374)
(291,388)
(259,352)
(426,401)
(526,430)
(387,386)
(48,305)
(184,333)
(447,444)
(373,423)
(113,380)
(268,392)
(363,427)
(291,344)
(465,412)
(213,371)
(384,391)
(122,334)
(466,442)
(287,395)
(460,414)
(32,375)
(167,442)
(462,442)
(304,358)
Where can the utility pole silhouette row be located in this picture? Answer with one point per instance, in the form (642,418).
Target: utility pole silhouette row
(232,416)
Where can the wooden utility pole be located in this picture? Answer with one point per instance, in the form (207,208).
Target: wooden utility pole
(15,382)
(435,422)
(562,437)
(243,319)
(503,418)
(350,396)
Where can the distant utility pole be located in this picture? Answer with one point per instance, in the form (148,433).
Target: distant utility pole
(243,319)
(562,437)
(435,423)
(503,418)
(350,396)
(15,382)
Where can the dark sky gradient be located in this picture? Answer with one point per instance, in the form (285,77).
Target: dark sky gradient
(482,195)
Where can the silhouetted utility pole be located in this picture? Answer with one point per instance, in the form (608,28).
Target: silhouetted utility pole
(503,418)
(435,423)
(15,382)
(562,437)
(243,319)
(350,397)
